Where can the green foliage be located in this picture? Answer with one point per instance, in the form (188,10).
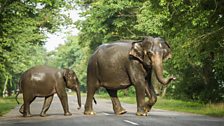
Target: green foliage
(194,30)
(196,50)
(107,21)
(7,104)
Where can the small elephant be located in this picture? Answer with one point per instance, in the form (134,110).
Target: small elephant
(45,81)
(119,65)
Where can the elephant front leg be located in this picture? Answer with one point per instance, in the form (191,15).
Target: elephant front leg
(118,109)
(150,92)
(140,98)
(64,101)
(47,103)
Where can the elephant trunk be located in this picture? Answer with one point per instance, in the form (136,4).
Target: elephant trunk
(158,69)
(78,96)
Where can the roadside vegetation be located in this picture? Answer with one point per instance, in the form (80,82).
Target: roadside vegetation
(6,104)
(190,106)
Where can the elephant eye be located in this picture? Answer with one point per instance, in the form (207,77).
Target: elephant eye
(69,76)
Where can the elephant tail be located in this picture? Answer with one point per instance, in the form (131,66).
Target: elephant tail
(17,94)
(94,100)
(18,91)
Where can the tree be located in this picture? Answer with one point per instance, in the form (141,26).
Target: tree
(107,21)
(193,28)
(23,27)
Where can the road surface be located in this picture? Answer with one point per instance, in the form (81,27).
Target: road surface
(104,116)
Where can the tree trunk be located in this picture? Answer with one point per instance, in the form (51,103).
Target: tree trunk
(5,86)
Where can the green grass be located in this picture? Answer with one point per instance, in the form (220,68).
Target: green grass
(216,110)
(192,107)
(6,104)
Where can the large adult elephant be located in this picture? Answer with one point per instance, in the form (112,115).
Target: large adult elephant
(45,81)
(122,64)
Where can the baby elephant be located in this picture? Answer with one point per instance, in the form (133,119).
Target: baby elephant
(45,81)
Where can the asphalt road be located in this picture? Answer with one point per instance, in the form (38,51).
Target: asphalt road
(104,116)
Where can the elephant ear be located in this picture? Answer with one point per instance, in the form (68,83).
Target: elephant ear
(66,75)
(137,51)
(148,44)
(65,72)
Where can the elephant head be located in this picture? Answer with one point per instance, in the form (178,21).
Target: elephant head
(73,83)
(151,52)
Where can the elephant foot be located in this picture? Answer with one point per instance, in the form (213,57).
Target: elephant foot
(147,108)
(120,112)
(43,114)
(67,114)
(141,113)
(27,115)
(90,113)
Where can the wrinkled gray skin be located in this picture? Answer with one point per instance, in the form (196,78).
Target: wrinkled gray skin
(45,81)
(122,64)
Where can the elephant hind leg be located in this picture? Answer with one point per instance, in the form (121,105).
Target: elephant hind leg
(46,106)
(26,106)
(89,105)
(118,109)
(91,89)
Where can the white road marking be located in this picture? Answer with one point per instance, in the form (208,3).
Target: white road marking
(133,123)
(106,114)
